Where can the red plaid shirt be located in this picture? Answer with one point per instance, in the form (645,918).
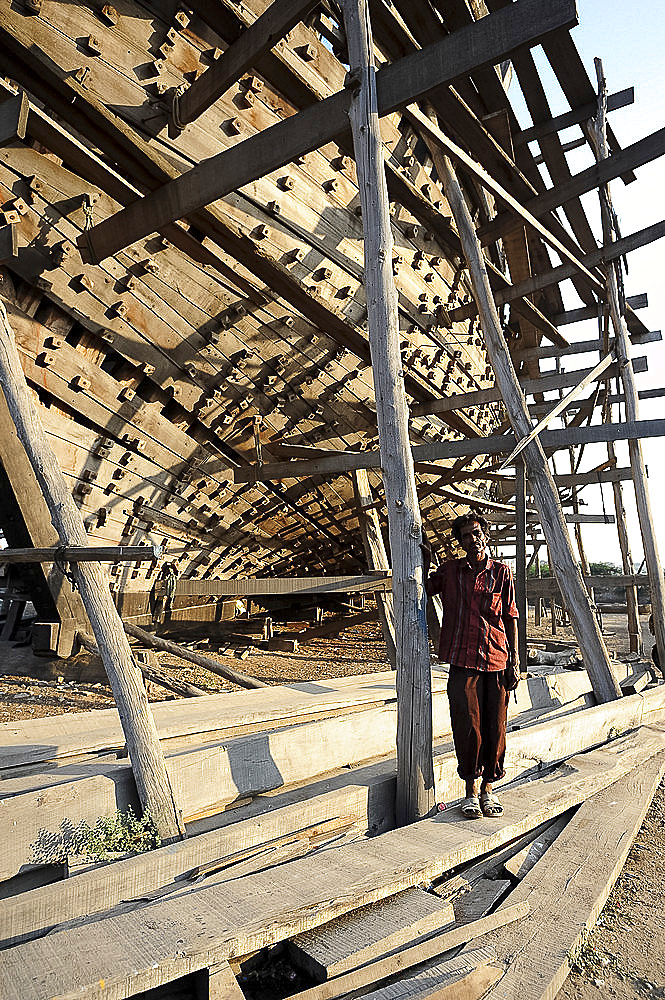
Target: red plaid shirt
(473,633)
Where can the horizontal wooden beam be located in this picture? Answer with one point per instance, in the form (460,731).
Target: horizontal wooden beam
(593,312)
(483,43)
(575,117)
(544,383)
(578,479)
(261,36)
(631,157)
(586,346)
(335,464)
(80,553)
(548,584)
(536,409)
(534,284)
(277,586)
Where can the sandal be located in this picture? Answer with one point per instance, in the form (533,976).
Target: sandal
(470,808)
(490,805)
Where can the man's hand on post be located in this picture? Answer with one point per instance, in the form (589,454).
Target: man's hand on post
(512,672)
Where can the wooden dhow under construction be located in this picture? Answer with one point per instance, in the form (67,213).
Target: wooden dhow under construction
(280,289)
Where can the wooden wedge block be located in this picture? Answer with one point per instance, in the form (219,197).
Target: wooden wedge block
(369,933)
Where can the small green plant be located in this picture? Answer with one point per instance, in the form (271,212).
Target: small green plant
(119,833)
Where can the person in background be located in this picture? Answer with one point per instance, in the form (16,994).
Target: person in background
(479,641)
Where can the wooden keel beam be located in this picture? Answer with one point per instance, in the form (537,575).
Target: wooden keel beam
(152,782)
(377,557)
(415,773)
(542,485)
(485,42)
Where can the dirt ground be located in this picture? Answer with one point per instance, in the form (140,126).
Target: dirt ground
(624,955)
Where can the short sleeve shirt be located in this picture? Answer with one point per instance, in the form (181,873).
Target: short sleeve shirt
(473,633)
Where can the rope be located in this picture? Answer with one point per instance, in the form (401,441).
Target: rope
(175,108)
(61,563)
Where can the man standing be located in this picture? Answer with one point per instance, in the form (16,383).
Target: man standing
(479,641)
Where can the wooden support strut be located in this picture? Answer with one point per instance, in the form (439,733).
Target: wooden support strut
(484,42)
(622,351)
(91,553)
(377,557)
(152,781)
(415,773)
(544,491)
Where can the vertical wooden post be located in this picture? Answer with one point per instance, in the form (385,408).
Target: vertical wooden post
(415,772)
(145,753)
(628,566)
(569,578)
(375,552)
(622,353)
(538,606)
(520,558)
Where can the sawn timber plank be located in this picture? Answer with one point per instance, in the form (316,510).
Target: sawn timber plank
(119,956)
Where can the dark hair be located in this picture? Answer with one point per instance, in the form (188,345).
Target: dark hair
(466,519)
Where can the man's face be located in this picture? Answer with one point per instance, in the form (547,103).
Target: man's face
(474,540)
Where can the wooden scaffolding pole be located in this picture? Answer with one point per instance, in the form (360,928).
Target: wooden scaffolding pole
(520,559)
(542,485)
(622,352)
(628,566)
(415,773)
(377,557)
(152,781)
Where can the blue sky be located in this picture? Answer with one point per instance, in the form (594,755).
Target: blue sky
(630,40)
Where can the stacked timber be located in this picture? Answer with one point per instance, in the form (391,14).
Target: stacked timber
(317,861)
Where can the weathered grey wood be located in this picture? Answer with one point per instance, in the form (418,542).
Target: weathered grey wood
(91,553)
(588,478)
(594,374)
(593,312)
(338,462)
(523,861)
(151,673)
(623,352)
(520,562)
(150,774)
(464,977)
(634,629)
(540,478)
(365,936)
(13,118)
(377,557)
(415,778)
(277,19)
(544,383)
(636,155)
(574,117)
(568,887)
(398,83)
(640,238)
(163,941)
(166,646)
(480,900)
(218,983)
(583,346)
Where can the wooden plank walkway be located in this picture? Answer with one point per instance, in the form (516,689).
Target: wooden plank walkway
(114,958)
